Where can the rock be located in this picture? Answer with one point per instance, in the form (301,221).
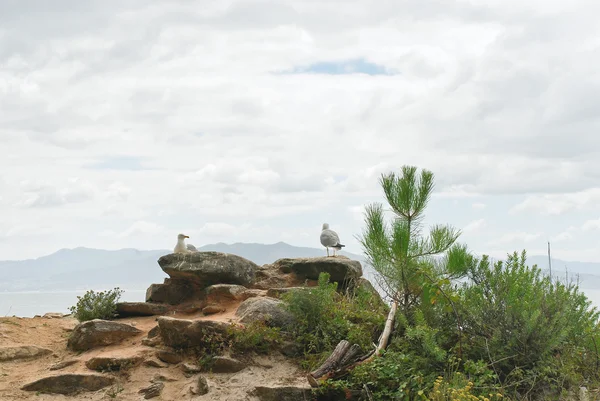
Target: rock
(97,333)
(287,393)
(22,352)
(269,276)
(201,386)
(104,364)
(151,342)
(212,309)
(270,310)
(162,378)
(152,390)
(340,268)
(126,309)
(224,364)
(63,364)
(70,383)
(169,356)
(153,363)
(154,332)
(53,315)
(207,268)
(224,293)
(182,333)
(189,368)
(172,292)
(253,293)
(277,292)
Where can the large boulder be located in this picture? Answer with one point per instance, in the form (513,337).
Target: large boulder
(98,333)
(224,293)
(183,333)
(270,310)
(22,352)
(208,268)
(126,309)
(173,292)
(340,268)
(69,383)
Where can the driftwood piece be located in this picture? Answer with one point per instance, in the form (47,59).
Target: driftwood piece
(330,364)
(350,355)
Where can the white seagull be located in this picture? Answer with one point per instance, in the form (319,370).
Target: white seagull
(181,247)
(330,239)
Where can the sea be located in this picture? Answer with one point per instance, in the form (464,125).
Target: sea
(31,303)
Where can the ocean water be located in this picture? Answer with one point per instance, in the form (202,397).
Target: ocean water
(31,303)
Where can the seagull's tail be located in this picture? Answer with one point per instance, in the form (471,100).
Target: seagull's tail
(339,246)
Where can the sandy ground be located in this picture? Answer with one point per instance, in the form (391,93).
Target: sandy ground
(272,370)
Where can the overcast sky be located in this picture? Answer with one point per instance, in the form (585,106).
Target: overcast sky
(126,123)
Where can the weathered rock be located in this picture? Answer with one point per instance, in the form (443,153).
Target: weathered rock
(53,315)
(162,378)
(287,393)
(97,333)
(269,276)
(191,369)
(103,364)
(22,352)
(224,293)
(340,268)
(62,364)
(172,292)
(70,383)
(154,332)
(201,386)
(182,333)
(253,293)
(270,310)
(169,356)
(151,342)
(125,309)
(212,309)
(208,268)
(278,292)
(153,363)
(152,390)
(224,364)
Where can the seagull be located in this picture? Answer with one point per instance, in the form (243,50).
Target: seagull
(181,247)
(330,239)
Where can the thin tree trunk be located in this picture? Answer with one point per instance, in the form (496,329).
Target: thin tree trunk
(387,330)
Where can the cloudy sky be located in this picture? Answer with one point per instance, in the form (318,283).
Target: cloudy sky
(126,123)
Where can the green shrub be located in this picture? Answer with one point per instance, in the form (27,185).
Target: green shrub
(255,337)
(97,305)
(325,317)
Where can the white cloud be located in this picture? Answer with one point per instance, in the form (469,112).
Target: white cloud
(474,226)
(191,125)
(591,225)
(517,237)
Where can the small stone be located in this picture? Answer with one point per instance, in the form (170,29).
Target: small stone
(162,378)
(151,342)
(53,315)
(63,364)
(152,390)
(189,368)
(169,356)
(201,387)
(22,352)
(224,364)
(112,363)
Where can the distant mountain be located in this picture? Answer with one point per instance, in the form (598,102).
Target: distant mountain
(85,268)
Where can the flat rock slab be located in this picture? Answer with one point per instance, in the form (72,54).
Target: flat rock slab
(183,333)
(208,268)
(340,268)
(22,352)
(98,333)
(106,363)
(224,292)
(270,310)
(63,364)
(69,384)
(126,309)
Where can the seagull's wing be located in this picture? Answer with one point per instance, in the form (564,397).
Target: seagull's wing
(329,238)
(191,247)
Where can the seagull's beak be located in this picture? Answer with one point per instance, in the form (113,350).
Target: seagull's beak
(186,236)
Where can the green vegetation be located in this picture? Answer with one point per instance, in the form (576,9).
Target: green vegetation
(97,305)
(466,327)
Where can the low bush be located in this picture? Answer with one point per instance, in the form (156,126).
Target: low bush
(97,305)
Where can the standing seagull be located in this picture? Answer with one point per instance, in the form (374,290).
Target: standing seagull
(330,239)
(180,247)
